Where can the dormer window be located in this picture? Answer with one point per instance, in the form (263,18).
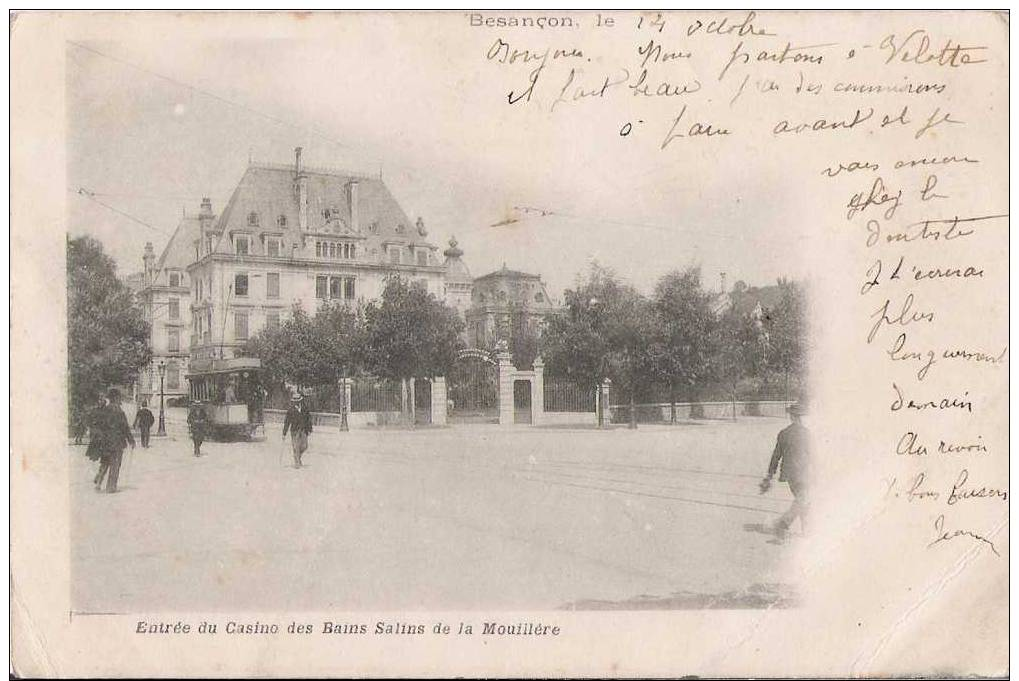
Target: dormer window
(374,228)
(174,279)
(281,221)
(253,219)
(273,247)
(400,229)
(242,245)
(422,256)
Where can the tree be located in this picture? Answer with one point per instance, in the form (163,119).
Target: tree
(741,349)
(787,333)
(605,332)
(310,351)
(107,336)
(686,341)
(409,334)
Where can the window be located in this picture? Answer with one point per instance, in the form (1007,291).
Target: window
(281,221)
(253,219)
(394,255)
(273,247)
(538,297)
(400,229)
(240,325)
(422,256)
(174,279)
(272,320)
(240,285)
(272,285)
(373,228)
(208,245)
(198,289)
(173,340)
(172,376)
(353,251)
(242,245)
(318,249)
(321,286)
(173,308)
(335,287)
(348,289)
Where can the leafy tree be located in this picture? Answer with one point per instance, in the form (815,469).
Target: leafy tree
(742,347)
(686,342)
(107,336)
(787,333)
(310,351)
(604,333)
(409,333)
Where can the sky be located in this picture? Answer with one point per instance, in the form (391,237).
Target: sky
(155,125)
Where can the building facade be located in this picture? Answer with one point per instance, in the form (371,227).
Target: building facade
(504,303)
(165,299)
(292,235)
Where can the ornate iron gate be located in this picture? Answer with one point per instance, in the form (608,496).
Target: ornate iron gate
(472,388)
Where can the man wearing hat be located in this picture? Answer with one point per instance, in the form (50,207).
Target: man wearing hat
(298,422)
(116,435)
(792,459)
(198,422)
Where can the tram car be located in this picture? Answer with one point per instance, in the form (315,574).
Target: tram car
(231,394)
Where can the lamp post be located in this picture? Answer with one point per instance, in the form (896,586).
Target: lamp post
(344,427)
(162,418)
(595,306)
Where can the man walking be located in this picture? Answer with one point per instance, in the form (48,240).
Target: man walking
(143,421)
(298,422)
(198,422)
(116,435)
(792,458)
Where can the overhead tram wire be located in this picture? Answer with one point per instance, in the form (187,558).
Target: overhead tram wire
(92,197)
(211,95)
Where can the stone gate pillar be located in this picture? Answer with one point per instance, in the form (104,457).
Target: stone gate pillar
(506,374)
(538,392)
(439,401)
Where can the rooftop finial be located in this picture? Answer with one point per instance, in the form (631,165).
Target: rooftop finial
(454,251)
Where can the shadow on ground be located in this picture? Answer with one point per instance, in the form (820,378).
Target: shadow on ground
(754,597)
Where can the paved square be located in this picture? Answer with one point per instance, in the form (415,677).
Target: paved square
(470,517)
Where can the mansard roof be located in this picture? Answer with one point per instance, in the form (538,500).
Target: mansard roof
(270,192)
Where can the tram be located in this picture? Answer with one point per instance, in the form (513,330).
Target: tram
(231,394)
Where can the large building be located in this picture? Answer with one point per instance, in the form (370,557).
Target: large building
(290,235)
(504,303)
(165,299)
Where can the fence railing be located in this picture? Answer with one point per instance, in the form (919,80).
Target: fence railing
(369,394)
(567,396)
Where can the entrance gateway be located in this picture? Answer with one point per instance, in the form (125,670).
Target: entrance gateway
(472,388)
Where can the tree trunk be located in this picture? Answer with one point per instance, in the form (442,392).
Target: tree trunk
(413,404)
(672,404)
(403,399)
(598,406)
(633,410)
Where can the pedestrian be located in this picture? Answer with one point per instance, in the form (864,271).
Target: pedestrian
(116,435)
(93,422)
(298,422)
(792,459)
(198,422)
(143,421)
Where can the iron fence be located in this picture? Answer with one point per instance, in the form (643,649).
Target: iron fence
(567,396)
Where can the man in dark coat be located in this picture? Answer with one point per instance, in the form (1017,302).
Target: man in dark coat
(198,422)
(116,435)
(792,458)
(143,421)
(94,423)
(298,422)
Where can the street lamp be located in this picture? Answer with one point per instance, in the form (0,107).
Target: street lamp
(595,306)
(344,427)
(162,419)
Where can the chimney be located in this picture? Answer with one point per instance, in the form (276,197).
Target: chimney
(355,208)
(205,214)
(302,190)
(150,261)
